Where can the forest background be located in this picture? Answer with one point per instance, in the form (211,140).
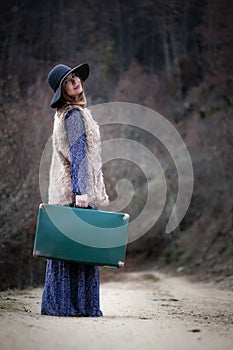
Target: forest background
(174,57)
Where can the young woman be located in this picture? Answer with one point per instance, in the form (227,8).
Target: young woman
(72,289)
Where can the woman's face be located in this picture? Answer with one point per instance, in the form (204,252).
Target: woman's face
(72,85)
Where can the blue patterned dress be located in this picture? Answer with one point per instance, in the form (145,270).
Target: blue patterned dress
(72,289)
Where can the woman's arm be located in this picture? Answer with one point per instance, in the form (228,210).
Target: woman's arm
(77,139)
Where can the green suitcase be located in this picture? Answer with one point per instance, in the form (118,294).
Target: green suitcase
(81,235)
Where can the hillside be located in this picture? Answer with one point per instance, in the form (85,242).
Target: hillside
(174,58)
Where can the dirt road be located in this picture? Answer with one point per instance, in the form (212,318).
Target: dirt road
(142,310)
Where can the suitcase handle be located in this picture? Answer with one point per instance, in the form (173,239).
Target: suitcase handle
(74,206)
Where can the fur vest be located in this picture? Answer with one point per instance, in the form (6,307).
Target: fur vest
(60,185)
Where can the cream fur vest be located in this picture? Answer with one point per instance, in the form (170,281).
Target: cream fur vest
(60,186)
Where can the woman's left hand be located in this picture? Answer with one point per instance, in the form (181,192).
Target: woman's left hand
(81,200)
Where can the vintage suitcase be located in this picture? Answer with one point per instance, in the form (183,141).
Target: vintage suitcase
(81,235)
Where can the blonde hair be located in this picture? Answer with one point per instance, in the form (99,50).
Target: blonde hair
(80,100)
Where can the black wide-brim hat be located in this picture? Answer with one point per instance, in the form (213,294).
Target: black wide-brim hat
(58,74)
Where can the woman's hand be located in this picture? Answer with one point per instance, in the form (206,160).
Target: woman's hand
(81,200)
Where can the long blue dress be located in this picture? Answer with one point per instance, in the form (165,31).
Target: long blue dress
(72,289)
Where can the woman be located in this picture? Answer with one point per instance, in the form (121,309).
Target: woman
(72,289)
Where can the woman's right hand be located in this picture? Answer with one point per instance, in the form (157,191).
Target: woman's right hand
(81,200)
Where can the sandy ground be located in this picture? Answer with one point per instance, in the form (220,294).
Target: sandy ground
(142,310)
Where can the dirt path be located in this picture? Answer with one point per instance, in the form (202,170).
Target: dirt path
(143,310)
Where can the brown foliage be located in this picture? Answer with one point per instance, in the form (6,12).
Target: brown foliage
(175,57)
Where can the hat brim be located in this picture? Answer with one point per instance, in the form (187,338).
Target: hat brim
(82,70)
